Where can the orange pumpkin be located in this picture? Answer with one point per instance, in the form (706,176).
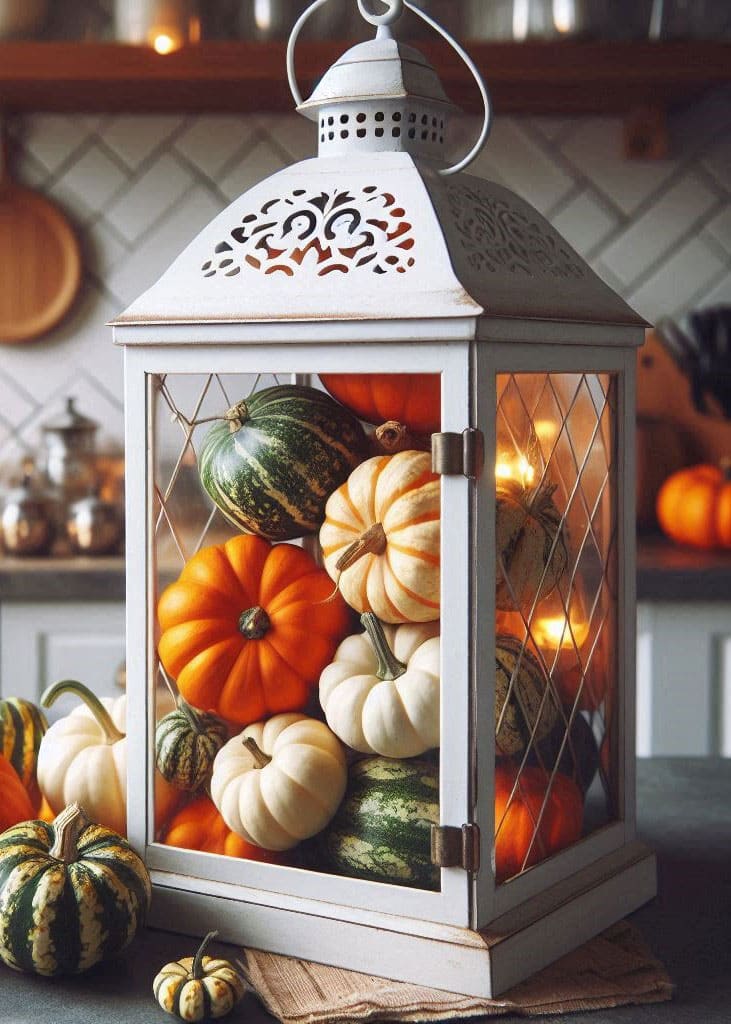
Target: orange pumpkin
(560,824)
(411,398)
(248,628)
(199,826)
(694,506)
(15,803)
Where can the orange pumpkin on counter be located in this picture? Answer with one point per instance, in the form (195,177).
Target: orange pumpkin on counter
(560,824)
(15,803)
(694,506)
(248,628)
(199,826)
(414,399)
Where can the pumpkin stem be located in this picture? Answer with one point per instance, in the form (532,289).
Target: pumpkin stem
(389,667)
(262,759)
(111,732)
(373,541)
(67,827)
(236,416)
(196,971)
(393,437)
(254,623)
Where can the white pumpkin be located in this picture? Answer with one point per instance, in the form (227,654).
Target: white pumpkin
(285,785)
(380,695)
(83,759)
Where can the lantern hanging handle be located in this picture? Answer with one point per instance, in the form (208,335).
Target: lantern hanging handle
(474,71)
(294,36)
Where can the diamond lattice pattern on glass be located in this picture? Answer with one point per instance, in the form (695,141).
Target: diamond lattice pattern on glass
(556,525)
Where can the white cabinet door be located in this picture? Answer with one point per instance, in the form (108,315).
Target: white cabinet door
(684,679)
(42,643)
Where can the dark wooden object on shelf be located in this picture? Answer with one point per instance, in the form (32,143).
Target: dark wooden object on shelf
(558,78)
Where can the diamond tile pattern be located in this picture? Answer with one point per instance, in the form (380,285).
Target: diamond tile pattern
(140,187)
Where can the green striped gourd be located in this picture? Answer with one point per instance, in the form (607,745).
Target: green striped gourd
(71,894)
(22,726)
(524,705)
(274,460)
(382,830)
(186,743)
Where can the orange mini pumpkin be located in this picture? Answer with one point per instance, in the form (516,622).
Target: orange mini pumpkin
(411,398)
(199,826)
(560,824)
(15,803)
(694,506)
(248,628)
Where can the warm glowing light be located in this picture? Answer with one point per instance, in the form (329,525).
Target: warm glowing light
(518,469)
(546,430)
(164,43)
(553,632)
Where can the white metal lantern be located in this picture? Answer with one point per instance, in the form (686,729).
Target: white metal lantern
(469,866)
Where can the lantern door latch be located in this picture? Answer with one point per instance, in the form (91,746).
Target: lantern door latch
(458,454)
(453,847)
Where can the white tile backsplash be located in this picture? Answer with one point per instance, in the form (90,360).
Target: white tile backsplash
(139,188)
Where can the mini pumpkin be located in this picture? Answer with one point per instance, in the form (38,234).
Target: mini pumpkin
(71,894)
(530,825)
(83,759)
(15,802)
(248,627)
(199,826)
(280,781)
(380,695)
(186,743)
(531,545)
(412,398)
(694,506)
(380,539)
(200,987)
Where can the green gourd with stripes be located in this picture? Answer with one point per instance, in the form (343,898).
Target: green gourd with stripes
(71,894)
(275,459)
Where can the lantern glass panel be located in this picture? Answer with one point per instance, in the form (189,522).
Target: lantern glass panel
(184,520)
(556,618)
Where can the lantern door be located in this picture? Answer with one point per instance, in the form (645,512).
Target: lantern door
(181,528)
(554,616)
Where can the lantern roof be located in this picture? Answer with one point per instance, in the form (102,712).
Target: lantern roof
(378,239)
(376,227)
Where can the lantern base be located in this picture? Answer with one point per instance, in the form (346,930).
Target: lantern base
(477,963)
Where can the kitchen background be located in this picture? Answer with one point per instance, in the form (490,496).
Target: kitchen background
(139,187)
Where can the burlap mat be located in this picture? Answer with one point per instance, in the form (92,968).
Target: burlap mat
(614,969)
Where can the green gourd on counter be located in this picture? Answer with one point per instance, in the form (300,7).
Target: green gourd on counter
(275,459)
(72,893)
(382,830)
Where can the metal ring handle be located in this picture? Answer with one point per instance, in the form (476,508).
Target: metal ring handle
(294,36)
(487,123)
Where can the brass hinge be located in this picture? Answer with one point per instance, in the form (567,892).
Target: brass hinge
(454,454)
(453,847)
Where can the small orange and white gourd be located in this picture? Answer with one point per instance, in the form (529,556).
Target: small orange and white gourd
(381,538)
(280,781)
(380,695)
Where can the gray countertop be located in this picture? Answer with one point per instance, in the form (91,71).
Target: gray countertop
(684,814)
(665,572)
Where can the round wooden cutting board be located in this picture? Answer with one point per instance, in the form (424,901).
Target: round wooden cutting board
(40,261)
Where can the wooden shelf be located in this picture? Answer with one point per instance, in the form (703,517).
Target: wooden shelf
(563,78)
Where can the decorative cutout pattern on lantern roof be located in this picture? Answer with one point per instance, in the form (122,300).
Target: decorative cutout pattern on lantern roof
(383,238)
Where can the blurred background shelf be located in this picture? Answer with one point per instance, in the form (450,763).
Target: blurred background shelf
(569,77)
